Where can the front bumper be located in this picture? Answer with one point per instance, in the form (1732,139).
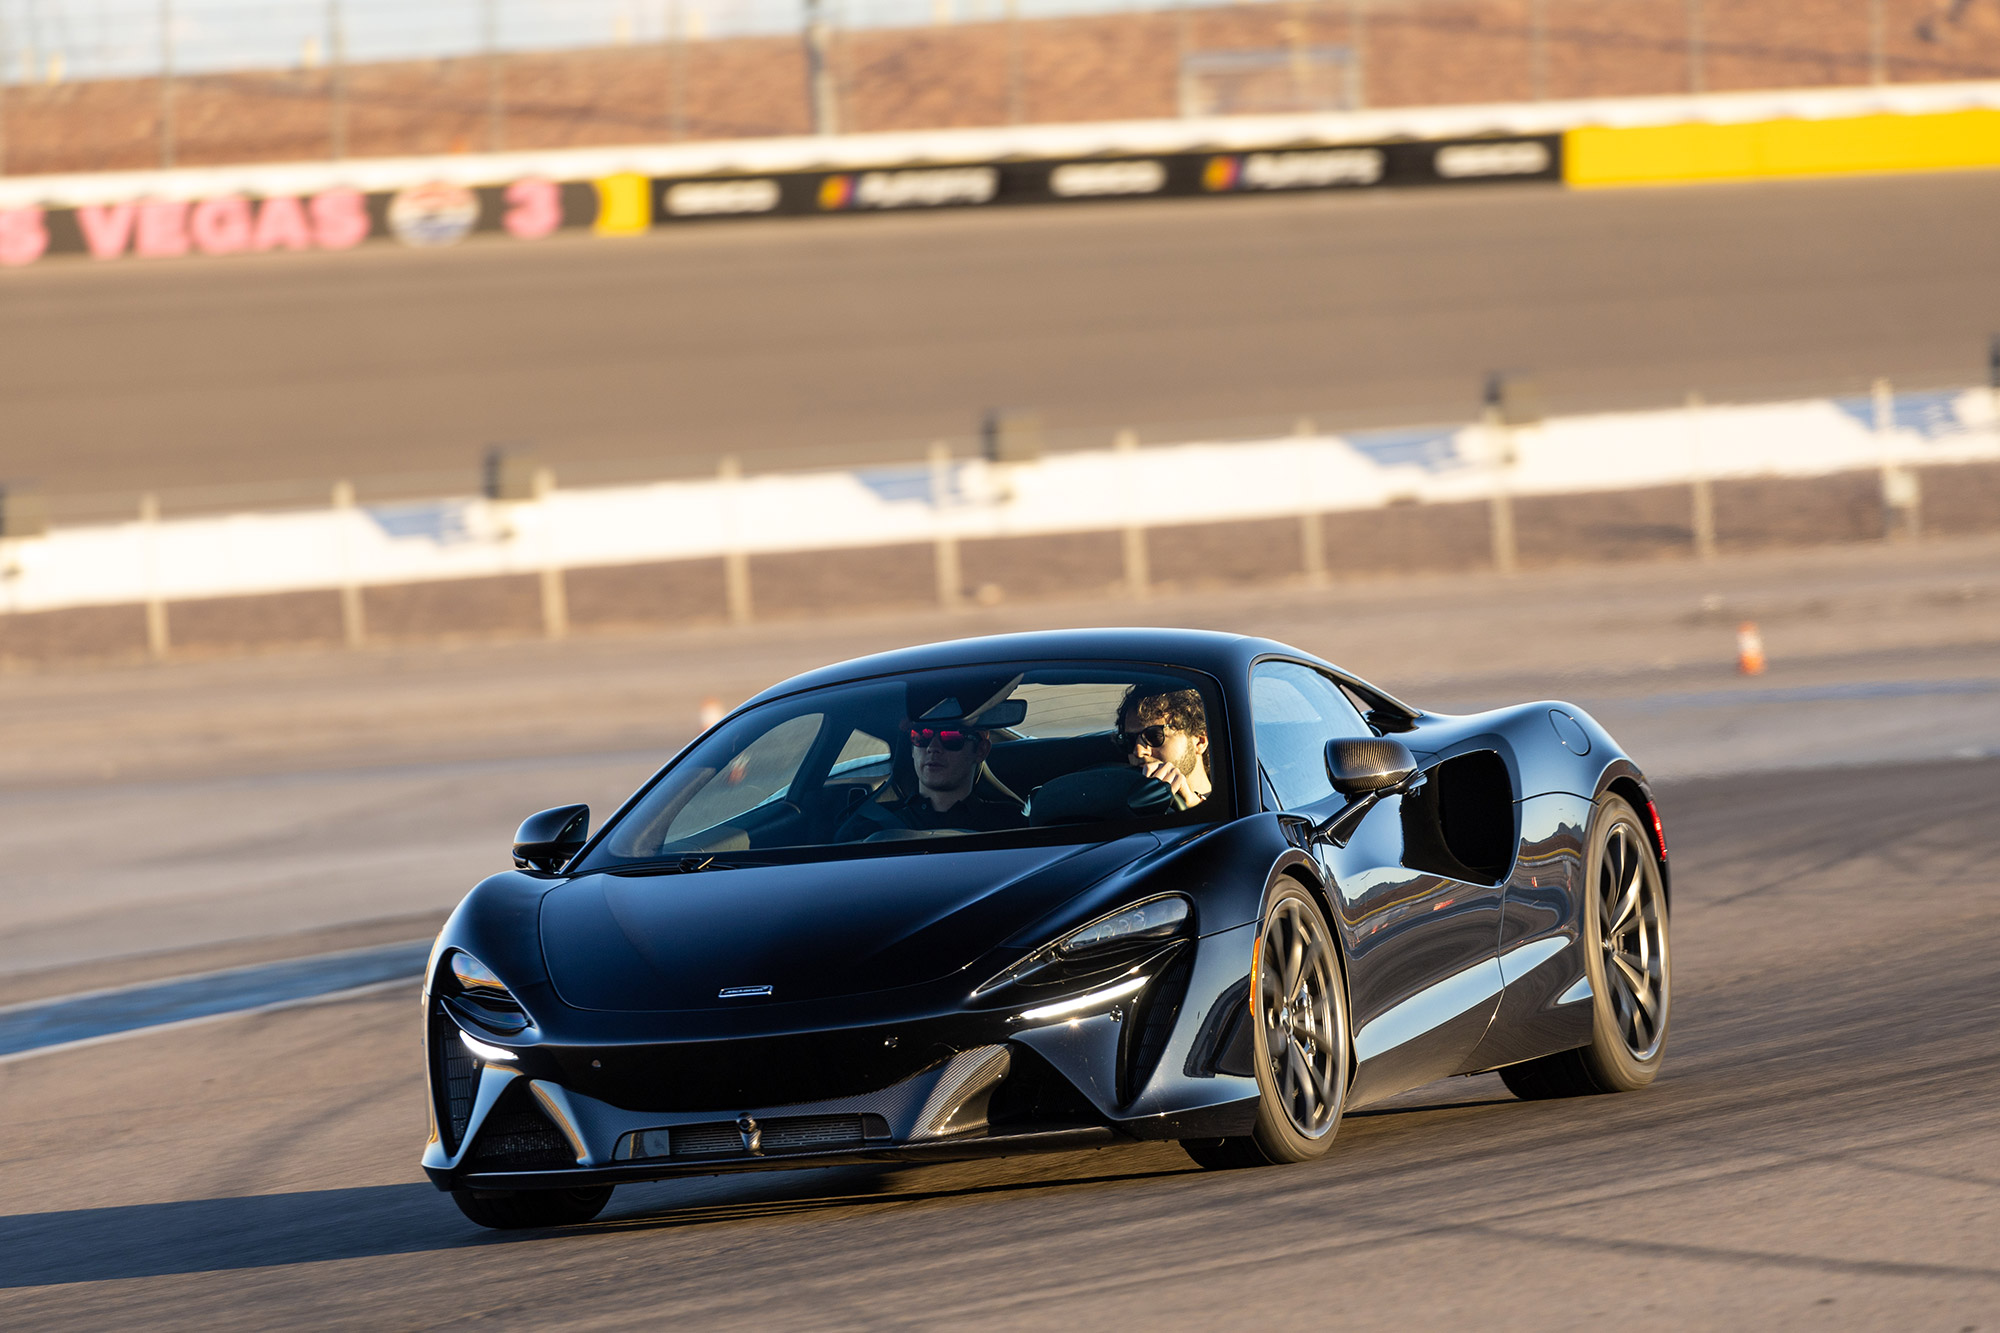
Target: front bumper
(1137,1069)
(940,1114)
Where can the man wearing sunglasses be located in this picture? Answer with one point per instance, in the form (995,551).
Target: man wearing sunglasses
(947,754)
(1165,736)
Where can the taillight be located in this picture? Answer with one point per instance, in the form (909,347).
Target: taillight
(1659,830)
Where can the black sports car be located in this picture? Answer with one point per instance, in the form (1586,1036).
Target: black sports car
(1045,891)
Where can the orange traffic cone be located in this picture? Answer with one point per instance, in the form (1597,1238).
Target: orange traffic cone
(1749,649)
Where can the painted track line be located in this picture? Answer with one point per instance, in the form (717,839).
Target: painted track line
(69,1021)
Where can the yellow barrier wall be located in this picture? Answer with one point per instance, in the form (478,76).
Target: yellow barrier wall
(624,205)
(1659,154)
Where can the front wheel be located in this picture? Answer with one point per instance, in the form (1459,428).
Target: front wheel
(515,1210)
(1298,1009)
(1624,926)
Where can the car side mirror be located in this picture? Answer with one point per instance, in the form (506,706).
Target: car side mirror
(1357,768)
(547,840)
(1364,772)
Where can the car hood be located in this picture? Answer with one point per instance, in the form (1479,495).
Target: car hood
(810,932)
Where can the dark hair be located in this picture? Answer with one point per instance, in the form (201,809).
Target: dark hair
(1177,710)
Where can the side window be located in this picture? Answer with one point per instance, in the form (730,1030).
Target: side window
(861,751)
(864,758)
(1296,711)
(760,771)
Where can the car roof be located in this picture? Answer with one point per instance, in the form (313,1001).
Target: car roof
(1211,651)
(1218,653)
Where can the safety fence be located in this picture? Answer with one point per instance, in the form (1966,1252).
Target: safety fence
(939,528)
(434,202)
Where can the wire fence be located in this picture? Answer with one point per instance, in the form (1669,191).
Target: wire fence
(102,84)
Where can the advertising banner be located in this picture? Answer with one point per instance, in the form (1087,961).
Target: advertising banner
(428,215)
(437,214)
(1095,179)
(627,190)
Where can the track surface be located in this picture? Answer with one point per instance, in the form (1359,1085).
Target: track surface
(824,340)
(1819,1152)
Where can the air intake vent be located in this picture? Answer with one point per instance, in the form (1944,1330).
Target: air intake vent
(518,1137)
(705,1140)
(460,1079)
(785,1134)
(1145,1038)
(809,1132)
(457,1082)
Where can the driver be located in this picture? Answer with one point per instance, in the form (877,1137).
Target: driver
(947,754)
(1165,736)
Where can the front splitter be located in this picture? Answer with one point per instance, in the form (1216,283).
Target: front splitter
(964,1148)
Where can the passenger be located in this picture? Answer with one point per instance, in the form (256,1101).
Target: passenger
(948,755)
(1165,736)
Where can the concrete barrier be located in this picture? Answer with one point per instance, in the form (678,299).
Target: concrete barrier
(433,202)
(939,502)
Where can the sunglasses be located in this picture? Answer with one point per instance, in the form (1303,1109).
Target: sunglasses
(950,741)
(1154,737)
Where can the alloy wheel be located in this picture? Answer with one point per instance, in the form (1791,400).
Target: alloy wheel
(1632,935)
(1300,1017)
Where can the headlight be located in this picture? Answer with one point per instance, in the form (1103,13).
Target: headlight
(475,975)
(1156,919)
(1104,945)
(474,994)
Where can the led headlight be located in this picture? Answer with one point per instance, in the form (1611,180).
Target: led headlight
(484,1050)
(1101,945)
(1154,919)
(474,975)
(1077,1004)
(474,993)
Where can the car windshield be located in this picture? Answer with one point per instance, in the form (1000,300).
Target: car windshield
(1054,752)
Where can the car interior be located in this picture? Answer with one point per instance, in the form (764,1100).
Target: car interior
(802,788)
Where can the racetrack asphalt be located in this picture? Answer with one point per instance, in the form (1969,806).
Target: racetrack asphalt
(829,340)
(1817,1153)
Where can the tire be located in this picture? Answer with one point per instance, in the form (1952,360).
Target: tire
(515,1210)
(1630,972)
(1298,1008)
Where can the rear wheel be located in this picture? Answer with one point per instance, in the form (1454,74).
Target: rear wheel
(513,1210)
(1298,1010)
(1627,962)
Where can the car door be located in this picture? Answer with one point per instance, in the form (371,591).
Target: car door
(1419,945)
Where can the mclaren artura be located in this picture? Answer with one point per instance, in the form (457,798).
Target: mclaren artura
(1038,892)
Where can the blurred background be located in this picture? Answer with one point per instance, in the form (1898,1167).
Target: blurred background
(383,457)
(103,84)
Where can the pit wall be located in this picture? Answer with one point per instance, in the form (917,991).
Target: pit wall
(434,202)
